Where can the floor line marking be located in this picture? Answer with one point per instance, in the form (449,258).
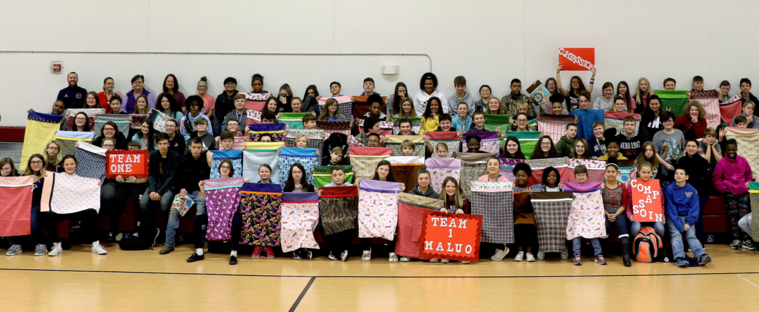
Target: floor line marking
(302,294)
(747,280)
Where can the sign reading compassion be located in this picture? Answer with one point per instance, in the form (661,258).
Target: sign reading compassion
(126,164)
(450,236)
(577,58)
(646,200)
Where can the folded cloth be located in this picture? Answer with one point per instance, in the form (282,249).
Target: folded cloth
(551,214)
(527,141)
(254,159)
(290,155)
(66,140)
(748,140)
(15,218)
(494,202)
(121,121)
(90,160)
(472,167)
(731,109)
(364,166)
(449,138)
(616,120)
(489,141)
(315,137)
(507,167)
(673,100)
(344,104)
(338,209)
(410,218)
(586,218)
(40,129)
(378,209)
(554,126)
(300,215)
(331,127)
(260,205)
(234,155)
(222,202)
(276,131)
(754,197)
(441,168)
(323,175)
(416,124)
(63,193)
(294,120)
(709,100)
(255,101)
(585,120)
(394,143)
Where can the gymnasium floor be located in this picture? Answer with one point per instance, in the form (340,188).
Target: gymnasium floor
(146,281)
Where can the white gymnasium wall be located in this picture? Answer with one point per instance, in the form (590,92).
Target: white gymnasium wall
(489,42)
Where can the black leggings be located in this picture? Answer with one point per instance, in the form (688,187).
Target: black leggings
(88,217)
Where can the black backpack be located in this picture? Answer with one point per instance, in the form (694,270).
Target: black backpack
(135,243)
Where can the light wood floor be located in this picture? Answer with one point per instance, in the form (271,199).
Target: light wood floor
(146,281)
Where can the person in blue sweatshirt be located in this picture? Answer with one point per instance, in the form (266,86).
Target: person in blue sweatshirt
(683,210)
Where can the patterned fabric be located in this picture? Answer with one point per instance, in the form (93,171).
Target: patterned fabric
(554,126)
(300,215)
(331,127)
(754,198)
(182,204)
(416,124)
(294,120)
(748,143)
(494,202)
(378,209)
(489,143)
(91,112)
(338,209)
(559,163)
(615,120)
(277,131)
(394,143)
(527,141)
(585,120)
(541,96)
(364,166)
(290,155)
(441,168)
(136,120)
(260,204)
(472,167)
(40,129)
(344,105)
(493,122)
(710,101)
(255,101)
(239,143)
(386,127)
(449,138)
(627,171)
(551,215)
(252,161)
(731,109)
(253,118)
(121,121)
(159,120)
(15,219)
(596,168)
(323,175)
(72,121)
(63,193)
(674,100)
(411,210)
(314,137)
(222,202)
(507,167)
(90,161)
(586,218)
(66,140)
(234,155)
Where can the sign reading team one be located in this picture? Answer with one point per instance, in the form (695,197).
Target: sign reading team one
(126,163)
(451,236)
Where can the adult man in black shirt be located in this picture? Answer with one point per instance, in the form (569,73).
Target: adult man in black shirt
(73,95)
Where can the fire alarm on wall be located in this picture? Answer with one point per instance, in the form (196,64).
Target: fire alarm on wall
(390,69)
(56,67)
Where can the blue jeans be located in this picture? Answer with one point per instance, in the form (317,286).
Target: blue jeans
(36,229)
(658,228)
(621,224)
(593,241)
(173,225)
(677,241)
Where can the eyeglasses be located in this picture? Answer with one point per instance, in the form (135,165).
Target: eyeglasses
(109,129)
(81,118)
(36,162)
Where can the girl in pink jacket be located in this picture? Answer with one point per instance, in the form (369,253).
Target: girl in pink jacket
(732,176)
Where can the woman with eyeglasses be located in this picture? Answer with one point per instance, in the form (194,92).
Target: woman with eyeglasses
(176,140)
(36,168)
(53,157)
(81,122)
(110,130)
(208,101)
(138,89)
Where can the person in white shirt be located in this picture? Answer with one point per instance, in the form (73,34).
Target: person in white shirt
(428,89)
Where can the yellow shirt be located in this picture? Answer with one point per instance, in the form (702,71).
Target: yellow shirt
(429,124)
(606,157)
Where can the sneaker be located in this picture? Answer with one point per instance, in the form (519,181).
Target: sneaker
(269,252)
(434,260)
(500,254)
(704,260)
(393,257)
(577,260)
(98,249)
(736,245)
(747,244)
(405,259)
(14,250)
(444,261)
(331,256)
(56,250)
(519,257)
(564,255)
(232,260)
(600,259)
(344,255)
(195,257)
(541,255)
(367,255)
(118,237)
(165,250)
(465,262)
(307,254)
(681,262)
(530,257)
(257,252)
(665,259)
(296,255)
(40,250)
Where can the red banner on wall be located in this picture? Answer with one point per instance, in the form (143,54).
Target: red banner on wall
(126,164)
(577,58)
(646,197)
(450,236)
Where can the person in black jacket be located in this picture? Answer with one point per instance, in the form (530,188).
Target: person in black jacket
(194,167)
(162,185)
(700,177)
(176,140)
(225,103)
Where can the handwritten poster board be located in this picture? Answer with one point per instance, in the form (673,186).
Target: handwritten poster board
(126,164)
(450,236)
(577,58)
(646,197)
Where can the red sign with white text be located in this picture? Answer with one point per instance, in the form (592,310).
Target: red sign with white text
(450,236)
(126,164)
(646,200)
(577,58)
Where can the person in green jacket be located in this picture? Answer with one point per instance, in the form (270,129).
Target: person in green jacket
(565,144)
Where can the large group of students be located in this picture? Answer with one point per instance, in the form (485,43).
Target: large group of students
(690,160)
